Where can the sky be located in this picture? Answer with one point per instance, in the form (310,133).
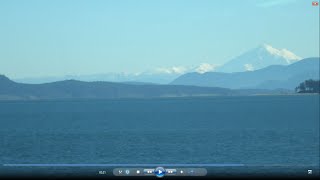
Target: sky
(74,37)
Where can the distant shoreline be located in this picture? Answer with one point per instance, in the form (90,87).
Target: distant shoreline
(151,98)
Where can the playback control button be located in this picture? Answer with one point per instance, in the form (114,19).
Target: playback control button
(148,171)
(159,172)
(171,171)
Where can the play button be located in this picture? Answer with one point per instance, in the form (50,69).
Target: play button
(159,172)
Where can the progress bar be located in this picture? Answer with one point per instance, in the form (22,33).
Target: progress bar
(123,165)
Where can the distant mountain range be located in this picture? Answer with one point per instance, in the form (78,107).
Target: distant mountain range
(145,77)
(271,77)
(257,58)
(72,89)
(263,70)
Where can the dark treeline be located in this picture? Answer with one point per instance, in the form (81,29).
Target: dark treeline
(309,86)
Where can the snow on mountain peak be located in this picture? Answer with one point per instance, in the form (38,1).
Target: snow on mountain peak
(205,67)
(202,68)
(249,67)
(258,58)
(171,70)
(284,53)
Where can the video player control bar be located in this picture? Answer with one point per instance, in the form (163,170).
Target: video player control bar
(160,172)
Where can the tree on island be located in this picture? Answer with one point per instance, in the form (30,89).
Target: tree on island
(309,86)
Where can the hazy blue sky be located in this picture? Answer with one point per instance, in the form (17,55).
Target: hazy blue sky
(41,38)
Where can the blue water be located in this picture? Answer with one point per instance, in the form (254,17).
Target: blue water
(251,130)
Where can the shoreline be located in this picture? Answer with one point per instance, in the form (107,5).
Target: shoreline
(151,98)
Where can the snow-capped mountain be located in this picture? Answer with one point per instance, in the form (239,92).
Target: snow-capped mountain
(258,58)
(271,77)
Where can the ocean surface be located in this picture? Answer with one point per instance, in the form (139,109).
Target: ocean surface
(255,131)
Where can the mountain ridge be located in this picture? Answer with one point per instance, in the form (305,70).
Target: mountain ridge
(74,89)
(299,71)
